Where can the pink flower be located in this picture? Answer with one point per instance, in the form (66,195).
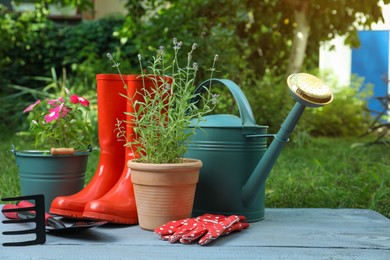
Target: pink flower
(77,99)
(54,113)
(31,107)
(74,99)
(65,110)
(54,102)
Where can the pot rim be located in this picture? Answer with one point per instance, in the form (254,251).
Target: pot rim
(40,153)
(188,162)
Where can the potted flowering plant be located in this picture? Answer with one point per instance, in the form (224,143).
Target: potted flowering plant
(61,124)
(162,111)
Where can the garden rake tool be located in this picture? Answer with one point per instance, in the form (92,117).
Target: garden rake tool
(38,219)
(24,210)
(53,225)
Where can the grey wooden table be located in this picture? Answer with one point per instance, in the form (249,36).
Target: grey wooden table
(284,234)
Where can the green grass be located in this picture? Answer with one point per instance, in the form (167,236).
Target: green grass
(331,173)
(321,172)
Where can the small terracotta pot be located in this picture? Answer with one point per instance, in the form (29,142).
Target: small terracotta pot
(164,192)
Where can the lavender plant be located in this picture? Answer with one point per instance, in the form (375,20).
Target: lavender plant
(162,118)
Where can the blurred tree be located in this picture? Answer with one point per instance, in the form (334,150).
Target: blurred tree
(259,42)
(267,33)
(82,5)
(323,20)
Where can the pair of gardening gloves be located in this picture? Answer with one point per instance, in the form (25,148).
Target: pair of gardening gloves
(206,228)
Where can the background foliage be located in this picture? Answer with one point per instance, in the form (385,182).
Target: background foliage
(254,40)
(36,45)
(254,48)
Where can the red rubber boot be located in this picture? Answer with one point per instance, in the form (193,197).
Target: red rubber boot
(118,205)
(111,106)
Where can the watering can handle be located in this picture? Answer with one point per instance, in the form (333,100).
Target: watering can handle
(244,107)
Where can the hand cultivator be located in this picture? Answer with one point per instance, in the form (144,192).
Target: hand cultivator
(27,212)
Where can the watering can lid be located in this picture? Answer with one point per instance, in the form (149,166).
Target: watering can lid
(225,121)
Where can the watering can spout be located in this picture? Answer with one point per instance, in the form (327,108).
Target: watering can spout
(308,91)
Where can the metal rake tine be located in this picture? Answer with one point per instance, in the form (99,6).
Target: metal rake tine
(19,232)
(24,243)
(24,220)
(39,220)
(28,197)
(18,209)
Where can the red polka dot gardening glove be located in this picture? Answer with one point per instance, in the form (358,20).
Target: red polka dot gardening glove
(206,228)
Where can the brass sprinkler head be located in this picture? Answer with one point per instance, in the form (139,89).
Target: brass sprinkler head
(309,90)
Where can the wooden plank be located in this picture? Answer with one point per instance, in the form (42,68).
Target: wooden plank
(285,233)
(188,252)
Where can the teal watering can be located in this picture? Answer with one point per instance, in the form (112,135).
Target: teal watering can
(234,153)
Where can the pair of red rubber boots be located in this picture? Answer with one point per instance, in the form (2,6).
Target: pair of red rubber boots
(109,195)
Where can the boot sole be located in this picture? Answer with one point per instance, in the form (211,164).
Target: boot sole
(67,213)
(110,218)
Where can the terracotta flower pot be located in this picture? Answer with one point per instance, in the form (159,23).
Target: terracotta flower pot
(164,192)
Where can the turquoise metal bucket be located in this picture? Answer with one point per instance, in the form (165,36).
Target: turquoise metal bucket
(40,172)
